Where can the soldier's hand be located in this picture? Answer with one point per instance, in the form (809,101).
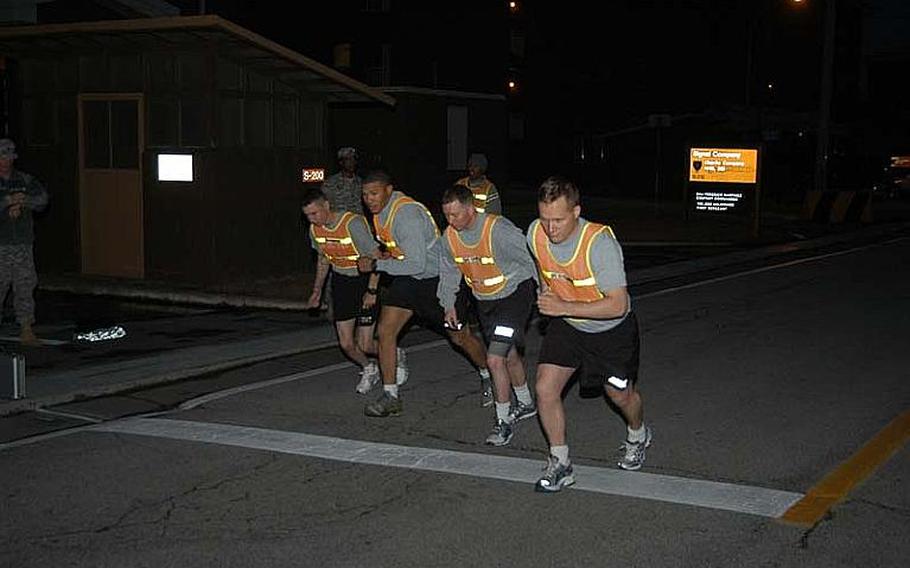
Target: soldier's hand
(451,318)
(550,304)
(365,264)
(313,301)
(15,211)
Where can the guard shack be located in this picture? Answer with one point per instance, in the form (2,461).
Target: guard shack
(172,147)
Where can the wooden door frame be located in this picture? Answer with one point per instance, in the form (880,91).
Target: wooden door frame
(140,147)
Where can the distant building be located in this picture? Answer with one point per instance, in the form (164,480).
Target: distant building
(95,106)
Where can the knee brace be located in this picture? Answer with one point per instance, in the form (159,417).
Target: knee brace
(501,341)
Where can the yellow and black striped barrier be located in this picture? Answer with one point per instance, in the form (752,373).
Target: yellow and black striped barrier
(838,206)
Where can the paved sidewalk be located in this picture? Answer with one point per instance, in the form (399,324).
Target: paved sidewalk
(198,341)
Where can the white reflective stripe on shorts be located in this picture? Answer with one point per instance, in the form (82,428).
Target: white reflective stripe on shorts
(503,331)
(617,382)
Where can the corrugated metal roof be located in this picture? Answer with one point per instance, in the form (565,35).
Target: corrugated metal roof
(233,41)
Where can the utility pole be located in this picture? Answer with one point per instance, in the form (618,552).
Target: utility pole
(824,107)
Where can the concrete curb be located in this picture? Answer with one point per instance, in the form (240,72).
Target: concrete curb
(92,382)
(200,298)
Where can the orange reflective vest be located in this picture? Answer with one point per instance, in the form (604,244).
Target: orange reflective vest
(481,193)
(337,244)
(384,230)
(572,281)
(477,262)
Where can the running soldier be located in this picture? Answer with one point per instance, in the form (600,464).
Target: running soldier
(491,255)
(583,290)
(409,255)
(486,196)
(340,238)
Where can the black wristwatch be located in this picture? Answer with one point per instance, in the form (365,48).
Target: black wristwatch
(372,291)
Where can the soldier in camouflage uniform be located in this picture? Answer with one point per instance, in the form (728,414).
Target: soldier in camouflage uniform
(344,188)
(343,191)
(20,195)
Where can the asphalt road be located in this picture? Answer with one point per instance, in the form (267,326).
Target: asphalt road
(764,380)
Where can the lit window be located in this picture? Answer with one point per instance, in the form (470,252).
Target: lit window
(175,167)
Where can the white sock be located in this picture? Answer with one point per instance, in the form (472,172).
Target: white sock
(391,389)
(484,374)
(636,436)
(523,394)
(561,453)
(502,410)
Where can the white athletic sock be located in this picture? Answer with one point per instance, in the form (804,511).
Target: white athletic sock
(636,436)
(391,389)
(561,453)
(484,374)
(502,410)
(523,394)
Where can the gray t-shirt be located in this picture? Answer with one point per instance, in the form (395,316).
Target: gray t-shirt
(414,231)
(607,263)
(363,240)
(510,252)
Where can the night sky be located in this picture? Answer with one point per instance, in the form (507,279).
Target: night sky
(632,58)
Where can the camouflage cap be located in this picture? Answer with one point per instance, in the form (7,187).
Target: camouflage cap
(347,152)
(8,149)
(478,160)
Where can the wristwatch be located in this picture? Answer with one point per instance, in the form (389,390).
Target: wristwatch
(372,291)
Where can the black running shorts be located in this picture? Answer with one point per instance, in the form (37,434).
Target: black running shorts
(512,311)
(419,296)
(614,352)
(347,296)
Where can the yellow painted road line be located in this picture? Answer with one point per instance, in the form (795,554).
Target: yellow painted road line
(835,486)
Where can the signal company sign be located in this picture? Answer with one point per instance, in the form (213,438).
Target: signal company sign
(723,165)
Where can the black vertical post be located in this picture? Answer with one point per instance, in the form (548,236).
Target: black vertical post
(657,171)
(4,98)
(756,216)
(824,107)
(687,184)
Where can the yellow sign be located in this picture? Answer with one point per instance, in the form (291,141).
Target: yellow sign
(723,165)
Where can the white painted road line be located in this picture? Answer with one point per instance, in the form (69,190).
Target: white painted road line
(770,267)
(715,495)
